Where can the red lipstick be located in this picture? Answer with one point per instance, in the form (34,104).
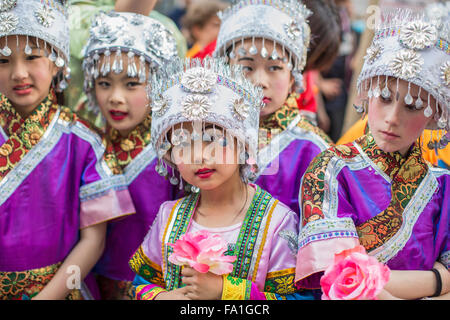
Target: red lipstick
(117,115)
(204,173)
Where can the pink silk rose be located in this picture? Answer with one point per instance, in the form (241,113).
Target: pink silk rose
(354,276)
(202,251)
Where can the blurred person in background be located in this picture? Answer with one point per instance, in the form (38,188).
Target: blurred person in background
(202,24)
(334,83)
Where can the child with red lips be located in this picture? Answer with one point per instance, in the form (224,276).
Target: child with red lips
(378,191)
(57,190)
(122,54)
(205,123)
(270,39)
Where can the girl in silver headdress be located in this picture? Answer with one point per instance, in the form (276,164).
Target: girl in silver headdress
(205,124)
(122,53)
(52,211)
(270,40)
(378,191)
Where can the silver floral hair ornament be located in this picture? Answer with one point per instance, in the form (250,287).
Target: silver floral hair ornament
(46,22)
(281,22)
(136,36)
(205,93)
(414,48)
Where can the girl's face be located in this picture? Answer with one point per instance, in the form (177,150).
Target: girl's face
(395,125)
(122,100)
(273,76)
(207,165)
(25,79)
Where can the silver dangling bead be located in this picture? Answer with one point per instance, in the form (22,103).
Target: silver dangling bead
(232,55)
(264,52)
(428,112)
(408,98)
(253,50)
(106,67)
(6,51)
(195,189)
(131,69)
(274,55)
(359,109)
(142,74)
(27,48)
(174,180)
(241,50)
(386,93)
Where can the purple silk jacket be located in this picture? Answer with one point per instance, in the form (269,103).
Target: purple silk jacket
(283,162)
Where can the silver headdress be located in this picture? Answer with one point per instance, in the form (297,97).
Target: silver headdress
(416,49)
(206,92)
(114,33)
(283,22)
(45,20)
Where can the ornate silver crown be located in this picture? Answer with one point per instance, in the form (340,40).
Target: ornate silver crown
(209,92)
(416,49)
(114,33)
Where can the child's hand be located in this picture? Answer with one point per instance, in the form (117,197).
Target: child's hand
(202,286)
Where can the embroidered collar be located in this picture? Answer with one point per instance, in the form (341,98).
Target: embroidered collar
(11,121)
(127,148)
(23,134)
(388,162)
(281,118)
(278,121)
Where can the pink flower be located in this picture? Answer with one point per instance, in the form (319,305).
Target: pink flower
(354,276)
(202,251)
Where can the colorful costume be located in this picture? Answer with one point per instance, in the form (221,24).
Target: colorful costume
(147,39)
(401,216)
(56,172)
(268,231)
(396,206)
(184,93)
(55,179)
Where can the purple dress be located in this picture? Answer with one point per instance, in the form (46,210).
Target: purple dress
(397,207)
(54,181)
(148,190)
(288,143)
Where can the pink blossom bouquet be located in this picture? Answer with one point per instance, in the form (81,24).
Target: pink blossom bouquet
(354,276)
(202,251)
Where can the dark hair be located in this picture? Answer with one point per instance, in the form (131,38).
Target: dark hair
(325,24)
